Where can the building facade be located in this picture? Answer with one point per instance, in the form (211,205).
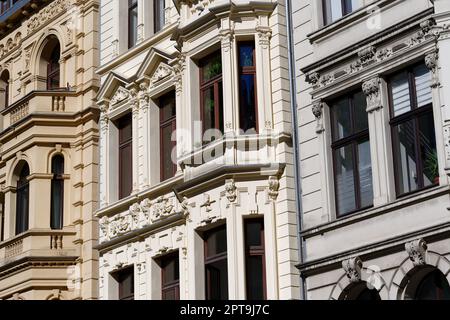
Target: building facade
(196,166)
(373,92)
(49,146)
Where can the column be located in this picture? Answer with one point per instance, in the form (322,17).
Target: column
(383,188)
(134,105)
(144,134)
(104,159)
(183,115)
(263,71)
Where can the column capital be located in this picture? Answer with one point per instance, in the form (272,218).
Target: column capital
(371,89)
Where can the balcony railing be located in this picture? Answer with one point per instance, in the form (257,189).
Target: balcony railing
(37,243)
(61,100)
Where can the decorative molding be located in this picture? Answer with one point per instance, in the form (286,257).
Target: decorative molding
(178,71)
(352,268)
(317,110)
(161,72)
(371,89)
(230,190)
(417,250)
(120,95)
(264,36)
(431,61)
(274,187)
(46,14)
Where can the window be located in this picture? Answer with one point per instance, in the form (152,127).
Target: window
(255,259)
(170,277)
(248,115)
(211,95)
(132,22)
(4,81)
(125,281)
(413,135)
(359,291)
(57,193)
(5,5)
(159,18)
(351,154)
(125,156)
(53,69)
(22,200)
(167,126)
(434,286)
(336,9)
(216,264)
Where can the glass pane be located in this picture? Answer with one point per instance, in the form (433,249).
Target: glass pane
(342,121)
(400,94)
(253,229)
(125,169)
(333,10)
(170,270)
(423,85)
(216,242)
(365,174)
(167,106)
(169,294)
(132,27)
(345,184)
(428,150)
(246,52)
(125,128)
(433,286)
(360,117)
(212,67)
(57,204)
(220,125)
(350,5)
(126,283)
(217,280)
(208,108)
(405,157)
(247,107)
(166,152)
(255,285)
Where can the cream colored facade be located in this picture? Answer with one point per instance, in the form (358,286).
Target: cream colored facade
(392,245)
(38,124)
(160,217)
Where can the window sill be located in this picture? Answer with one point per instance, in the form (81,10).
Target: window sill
(399,203)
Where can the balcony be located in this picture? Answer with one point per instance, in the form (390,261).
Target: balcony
(38,244)
(57,101)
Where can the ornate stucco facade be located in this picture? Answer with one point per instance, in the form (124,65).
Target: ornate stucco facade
(49,150)
(391,245)
(234,179)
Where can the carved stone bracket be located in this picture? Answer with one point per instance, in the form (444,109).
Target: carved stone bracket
(274,187)
(352,268)
(417,251)
(230,190)
(317,110)
(431,61)
(371,89)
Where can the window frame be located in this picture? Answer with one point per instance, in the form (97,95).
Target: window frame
(413,115)
(175,284)
(258,251)
(23,192)
(352,140)
(121,146)
(163,123)
(205,85)
(132,32)
(248,71)
(57,178)
(119,276)
(159,13)
(54,70)
(344,12)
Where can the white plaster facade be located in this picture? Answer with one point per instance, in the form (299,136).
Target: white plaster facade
(378,245)
(242,182)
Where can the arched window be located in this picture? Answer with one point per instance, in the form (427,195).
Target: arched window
(360,291)
(57,193)
(433,286)
(22,199)
(4,87)
(49,64)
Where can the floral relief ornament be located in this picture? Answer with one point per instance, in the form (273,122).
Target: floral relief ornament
(352,268)
(417,251)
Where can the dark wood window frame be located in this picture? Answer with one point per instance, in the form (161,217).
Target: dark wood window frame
(54,69)
(22,200)
(123,145)
(247,70)
(57,193)
(351,140)
(172,286)
(120,276)
(214,82)
(209,260)
(327,20)
(413,115)
(164,123)
(259,251)
(158,14)
(132,29)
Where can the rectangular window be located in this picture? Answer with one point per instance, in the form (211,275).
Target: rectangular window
(413,136)
(125,281)
(167,127)
(335,9)
(125,156)
(170,277)
(255,266)
(216,269)
(159,18)
(351,154)
(211,98)
(248,115)
(132,22)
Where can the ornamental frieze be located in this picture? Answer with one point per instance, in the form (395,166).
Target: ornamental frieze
(46,14)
